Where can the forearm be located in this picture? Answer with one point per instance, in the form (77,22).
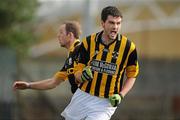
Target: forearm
(44,84)
(127,86)
(41,85)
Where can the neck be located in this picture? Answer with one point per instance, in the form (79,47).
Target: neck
(68,46)
(105,39)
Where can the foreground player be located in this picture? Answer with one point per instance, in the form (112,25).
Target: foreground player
(68,37)
(108,55)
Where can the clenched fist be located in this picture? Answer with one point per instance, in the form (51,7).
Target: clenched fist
(115,99)
(21,85)
(86,74)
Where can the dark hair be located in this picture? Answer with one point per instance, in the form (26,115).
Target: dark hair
(74,27)
(110,10)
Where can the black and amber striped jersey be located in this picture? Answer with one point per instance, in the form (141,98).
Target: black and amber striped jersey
(108,64)
(67,71)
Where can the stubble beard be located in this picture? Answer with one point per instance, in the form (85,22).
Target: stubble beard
(111,38)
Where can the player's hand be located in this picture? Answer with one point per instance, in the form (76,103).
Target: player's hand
(115,99)
(86,74)
(21,85)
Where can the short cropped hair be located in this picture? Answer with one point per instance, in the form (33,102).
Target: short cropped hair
(110,10)
(74,27)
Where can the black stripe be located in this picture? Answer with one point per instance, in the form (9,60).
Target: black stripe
(132,58)
(75,53)
(98,83)
(121,81)
(89,44)
(76,43)
(88,88)
(97,42)
(109,78)
(104,55)
(107,88)
(84,54)
(81,84)
(116,49)
(99,76)
(127,48)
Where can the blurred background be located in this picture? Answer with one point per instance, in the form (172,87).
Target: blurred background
(30,51)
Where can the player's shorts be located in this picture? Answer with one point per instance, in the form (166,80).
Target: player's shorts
(84,106)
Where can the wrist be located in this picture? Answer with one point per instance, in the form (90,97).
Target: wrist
(78,76)
(121,95)
(29,85)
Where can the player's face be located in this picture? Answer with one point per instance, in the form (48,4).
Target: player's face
(112,26)
(63,36)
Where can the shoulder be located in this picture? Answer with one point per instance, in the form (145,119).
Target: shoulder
(127,40)
(77,43)
(91,37)
(76,48)
(88,38)
(86,42)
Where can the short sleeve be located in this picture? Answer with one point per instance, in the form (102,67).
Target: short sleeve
(61,75)
(132,68)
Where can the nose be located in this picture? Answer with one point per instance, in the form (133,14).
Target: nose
(58,35)
(115,26)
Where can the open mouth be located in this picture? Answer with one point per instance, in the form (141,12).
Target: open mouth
(113,33)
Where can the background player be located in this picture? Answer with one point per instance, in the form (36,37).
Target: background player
(68,37)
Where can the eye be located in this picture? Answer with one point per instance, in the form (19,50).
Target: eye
(118,23)
(61,32)
(111,22)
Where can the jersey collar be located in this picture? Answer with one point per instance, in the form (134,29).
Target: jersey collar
(99,35)
(73,45)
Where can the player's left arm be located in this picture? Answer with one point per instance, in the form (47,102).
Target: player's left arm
(115,99)
(132,71)
(129,82)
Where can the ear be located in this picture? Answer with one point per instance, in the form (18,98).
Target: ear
(102,23)
(70,34)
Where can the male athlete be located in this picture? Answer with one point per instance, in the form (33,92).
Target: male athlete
(104,58)
(68,37)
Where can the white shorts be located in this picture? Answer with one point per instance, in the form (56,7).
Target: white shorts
(84,106)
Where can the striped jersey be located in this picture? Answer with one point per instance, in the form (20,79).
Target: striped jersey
(108,64)
(67,71)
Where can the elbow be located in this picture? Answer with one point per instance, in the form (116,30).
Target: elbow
(55,83)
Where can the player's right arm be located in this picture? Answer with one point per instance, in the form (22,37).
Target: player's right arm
(38,85)
(41,85)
